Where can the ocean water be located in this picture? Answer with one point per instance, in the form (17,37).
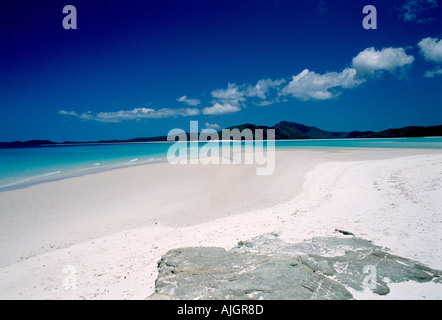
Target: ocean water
(21,167)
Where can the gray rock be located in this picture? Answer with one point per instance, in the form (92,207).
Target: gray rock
(267,268)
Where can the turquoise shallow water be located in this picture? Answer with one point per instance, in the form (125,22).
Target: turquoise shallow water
(20,167)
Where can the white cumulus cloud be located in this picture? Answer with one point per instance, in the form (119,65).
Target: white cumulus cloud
(388,59)
(190,102)
(214,126)
(233,95)
(309,85)
(437,71)
(236,95)
(431,49)
(68,113)
(219,108)
(263,88)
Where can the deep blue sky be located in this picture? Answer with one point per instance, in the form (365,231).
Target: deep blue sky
(63,85)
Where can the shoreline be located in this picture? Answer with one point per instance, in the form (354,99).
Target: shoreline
(53,176)
(119,262)
(61,144)
(76,174)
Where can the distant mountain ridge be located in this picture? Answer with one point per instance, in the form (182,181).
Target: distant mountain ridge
(283,130)
(293,130)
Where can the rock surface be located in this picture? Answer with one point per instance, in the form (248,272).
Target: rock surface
(266,267)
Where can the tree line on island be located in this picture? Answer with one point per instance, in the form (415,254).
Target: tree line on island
(284,130)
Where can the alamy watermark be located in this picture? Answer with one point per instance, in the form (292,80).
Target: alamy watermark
(369,281)
(70,20)
(70,281)
(234,147)
(370,21)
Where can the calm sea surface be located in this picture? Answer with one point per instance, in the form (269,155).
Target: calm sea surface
(20,167)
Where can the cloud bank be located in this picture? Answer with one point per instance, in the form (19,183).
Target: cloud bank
(310,85)
(134,114)
(367,65)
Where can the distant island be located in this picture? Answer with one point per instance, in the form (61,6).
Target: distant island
(284,130)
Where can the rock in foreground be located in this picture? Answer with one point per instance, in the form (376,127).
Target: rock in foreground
(266,267)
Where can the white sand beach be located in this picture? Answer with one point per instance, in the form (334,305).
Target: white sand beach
(108,230)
